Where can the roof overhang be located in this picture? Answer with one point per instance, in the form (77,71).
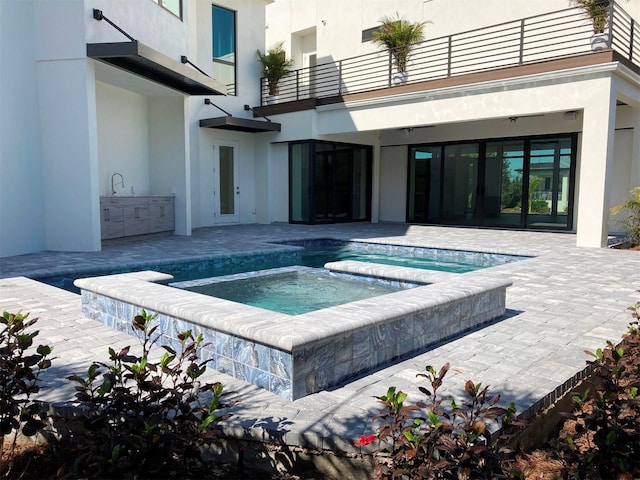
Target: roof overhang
(139,59)
(240,124)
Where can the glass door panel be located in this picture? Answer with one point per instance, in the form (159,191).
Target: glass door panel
(322,183)
(226,190)
(227,183)
(460,183)
(503,183)
(424,184)
(360,185)
(299,183)
(549,182)
(341,185)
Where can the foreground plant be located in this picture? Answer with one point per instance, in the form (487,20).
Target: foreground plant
(441,438)
(148,418)
(20,369)
(607,443)
(631,222)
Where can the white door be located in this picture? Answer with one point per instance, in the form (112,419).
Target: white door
(226,190)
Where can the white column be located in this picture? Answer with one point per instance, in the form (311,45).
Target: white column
(69,152)
(596,159)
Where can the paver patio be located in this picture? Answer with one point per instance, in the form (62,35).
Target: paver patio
(562,302)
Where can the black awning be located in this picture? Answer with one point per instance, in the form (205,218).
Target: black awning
(240,124)
(146,62)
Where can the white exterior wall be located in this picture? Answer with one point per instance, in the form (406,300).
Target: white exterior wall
(69,122)
(250,37)
(123,143)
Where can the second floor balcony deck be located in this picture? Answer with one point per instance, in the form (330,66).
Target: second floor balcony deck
(543,43)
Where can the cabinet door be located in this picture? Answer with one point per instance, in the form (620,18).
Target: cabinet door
(161,215)
(136,219)
(112,225)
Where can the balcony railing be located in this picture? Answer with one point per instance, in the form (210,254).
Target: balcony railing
(555,35)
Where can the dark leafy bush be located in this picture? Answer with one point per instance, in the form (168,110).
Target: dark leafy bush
(147,418)
(441,438)
(607,427)
(20,368)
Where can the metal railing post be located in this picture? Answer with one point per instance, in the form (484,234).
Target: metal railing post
(261,91)
(390,68)
(631,38)
(610,8)
(297,84)
(449,55)
(521,54)
(340,78)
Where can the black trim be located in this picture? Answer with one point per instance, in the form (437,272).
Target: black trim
(139,59)
(240,124)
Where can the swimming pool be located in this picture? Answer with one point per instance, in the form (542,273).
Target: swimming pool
(307,252)
(293,290)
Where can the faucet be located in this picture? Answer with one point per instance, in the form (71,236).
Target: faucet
(121,182)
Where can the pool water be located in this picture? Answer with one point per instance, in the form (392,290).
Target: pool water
(318,256)
(312,253)
(293,290)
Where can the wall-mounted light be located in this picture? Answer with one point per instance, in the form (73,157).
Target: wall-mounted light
(513,119)
(570,115)
(324,22)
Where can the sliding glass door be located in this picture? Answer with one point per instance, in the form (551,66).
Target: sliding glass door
(329,182)
(522,183)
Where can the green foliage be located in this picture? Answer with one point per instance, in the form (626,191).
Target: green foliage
(275,66)
(597,11)
(20,368)
(607,415)
(147,417)
(631,222)
(435,438)
(399,37)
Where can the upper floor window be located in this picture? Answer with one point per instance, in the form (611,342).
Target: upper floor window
(174,6)
(223,23)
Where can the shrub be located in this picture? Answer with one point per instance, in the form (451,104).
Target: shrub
(606,421)
(20,368)
(148,418)
(631,222)
(435,438)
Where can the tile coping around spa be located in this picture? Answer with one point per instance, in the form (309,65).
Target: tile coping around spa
(294,356)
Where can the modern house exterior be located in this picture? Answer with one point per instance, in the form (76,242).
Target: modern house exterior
(510,120)
(129,111)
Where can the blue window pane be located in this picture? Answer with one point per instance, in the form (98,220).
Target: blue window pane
(224,38)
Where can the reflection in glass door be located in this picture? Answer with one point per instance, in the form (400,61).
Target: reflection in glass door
(549,180)
(503,183)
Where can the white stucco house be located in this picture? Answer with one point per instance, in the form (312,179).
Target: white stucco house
(122,117)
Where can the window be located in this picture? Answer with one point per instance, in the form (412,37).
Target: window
(174,6)
(223,23)
(367,35)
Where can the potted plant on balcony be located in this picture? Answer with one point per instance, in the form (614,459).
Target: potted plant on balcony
(399,37)
(598,11)
(275,65)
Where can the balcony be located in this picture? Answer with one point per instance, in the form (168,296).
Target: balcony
(544,43)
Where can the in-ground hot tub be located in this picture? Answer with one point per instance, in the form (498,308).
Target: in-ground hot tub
(296,355)
(294,290)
